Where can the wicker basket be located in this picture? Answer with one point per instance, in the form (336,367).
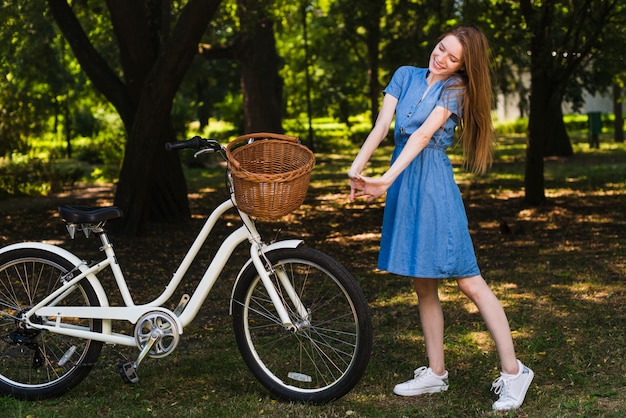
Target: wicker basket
(270,175)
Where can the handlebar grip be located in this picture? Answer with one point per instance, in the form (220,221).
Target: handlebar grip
(195,143)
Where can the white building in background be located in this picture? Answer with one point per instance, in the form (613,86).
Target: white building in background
(603,104)
(508,106)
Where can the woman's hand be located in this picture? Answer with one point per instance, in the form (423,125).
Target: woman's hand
(367,186)
(357,185)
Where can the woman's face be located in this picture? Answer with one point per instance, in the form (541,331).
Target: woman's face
(446,58)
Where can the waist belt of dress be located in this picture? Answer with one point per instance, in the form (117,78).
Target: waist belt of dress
(436,147)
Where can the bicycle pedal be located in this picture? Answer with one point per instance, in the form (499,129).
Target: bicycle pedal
(128,372)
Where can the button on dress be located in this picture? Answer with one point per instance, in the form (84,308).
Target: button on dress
(425,232)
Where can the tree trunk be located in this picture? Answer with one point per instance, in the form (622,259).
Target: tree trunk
(260,82)
(152,185)
(373,52)
(556,138)
(537,122)
(373,14)
(617,111)
(154,57)
(533,176)
(546,134)
(554,33)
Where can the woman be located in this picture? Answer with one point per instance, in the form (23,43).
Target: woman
(425,233)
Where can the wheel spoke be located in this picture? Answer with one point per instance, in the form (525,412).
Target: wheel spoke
(36,364)
(327,353)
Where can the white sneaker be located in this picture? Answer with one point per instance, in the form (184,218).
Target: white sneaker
(425,381)
(512,389)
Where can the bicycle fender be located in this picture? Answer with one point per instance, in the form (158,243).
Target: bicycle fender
(289,243)
(93,280)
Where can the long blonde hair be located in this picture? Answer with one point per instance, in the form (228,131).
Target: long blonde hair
(476,128)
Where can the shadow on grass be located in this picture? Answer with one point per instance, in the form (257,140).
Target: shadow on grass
(558,269)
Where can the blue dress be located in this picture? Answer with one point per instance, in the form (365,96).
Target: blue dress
(425,232)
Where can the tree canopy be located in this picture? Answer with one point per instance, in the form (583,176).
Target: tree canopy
(161,65)
(156,43)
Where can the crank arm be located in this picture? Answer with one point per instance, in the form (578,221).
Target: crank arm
(155,335)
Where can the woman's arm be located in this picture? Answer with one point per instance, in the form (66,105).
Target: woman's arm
(376,187)
(376,136)
(373,140)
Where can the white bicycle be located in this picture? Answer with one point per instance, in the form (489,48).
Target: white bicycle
(301,322)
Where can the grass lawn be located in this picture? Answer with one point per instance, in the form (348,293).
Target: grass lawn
(558,269)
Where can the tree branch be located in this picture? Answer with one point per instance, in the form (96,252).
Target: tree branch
(182,46)
(94,65)
(137,50)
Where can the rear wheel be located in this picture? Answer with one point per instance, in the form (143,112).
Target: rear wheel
(326,355)
(37,364)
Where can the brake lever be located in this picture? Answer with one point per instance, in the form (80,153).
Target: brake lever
(203,151)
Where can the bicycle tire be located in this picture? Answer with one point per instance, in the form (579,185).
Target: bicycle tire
(37,364)
(324,360)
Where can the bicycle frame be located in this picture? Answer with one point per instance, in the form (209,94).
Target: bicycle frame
(314,353)
(132,313)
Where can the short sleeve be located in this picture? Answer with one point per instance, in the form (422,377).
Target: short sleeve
(399,78)
(452,97)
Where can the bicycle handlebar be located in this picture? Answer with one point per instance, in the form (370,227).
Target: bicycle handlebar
(194,143)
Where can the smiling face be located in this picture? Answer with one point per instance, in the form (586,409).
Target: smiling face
(446,58)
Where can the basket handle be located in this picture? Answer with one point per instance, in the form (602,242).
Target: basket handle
(268,135)
(256,135)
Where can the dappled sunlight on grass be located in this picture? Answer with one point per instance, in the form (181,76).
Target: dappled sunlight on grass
(481,339)
(558,269)
(411,337)
(469,306)
(565,192)
(364,237)
(366,242)
(488,224)
(329,201)
(567,247)
(405,299)
(53,241)
(592,292)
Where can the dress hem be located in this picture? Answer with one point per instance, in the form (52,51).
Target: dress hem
(434,276)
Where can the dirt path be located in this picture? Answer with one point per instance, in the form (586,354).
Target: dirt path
(99,195)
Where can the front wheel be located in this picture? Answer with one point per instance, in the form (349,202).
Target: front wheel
(326,355)
(37,364)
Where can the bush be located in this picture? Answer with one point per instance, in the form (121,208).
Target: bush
(105,148)
(573,123)
(518,126)
(22,176)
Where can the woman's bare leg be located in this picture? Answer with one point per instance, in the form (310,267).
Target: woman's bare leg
(477,290)
(431,318)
